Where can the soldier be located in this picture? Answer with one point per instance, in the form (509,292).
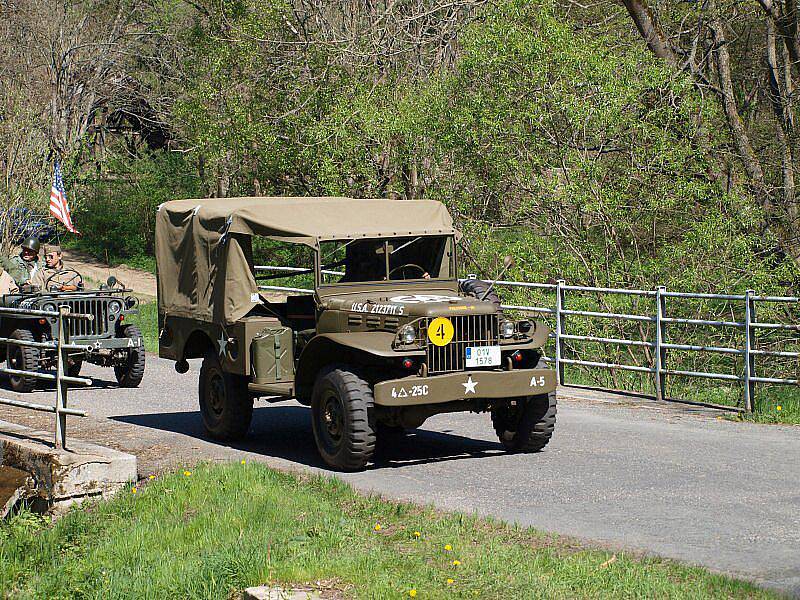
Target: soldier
(54,264)
(53,258)
(26,267)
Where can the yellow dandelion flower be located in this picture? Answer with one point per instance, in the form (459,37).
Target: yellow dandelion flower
(447,547)
(133,490)
(417,534)
(456,562)
(779,407)
(377,527)
(151,477)
(450,581)
(243,461)
(412,593)
(187,473)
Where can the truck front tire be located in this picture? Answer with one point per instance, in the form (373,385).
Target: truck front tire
(527,426)
(342,419)
(225,402)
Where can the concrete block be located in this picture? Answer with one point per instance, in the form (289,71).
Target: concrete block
(61,477)
(14,485)
(266,592)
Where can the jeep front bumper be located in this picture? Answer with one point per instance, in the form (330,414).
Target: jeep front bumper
(114,343)
(464,385)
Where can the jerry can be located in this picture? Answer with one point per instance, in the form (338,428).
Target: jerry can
(272,356)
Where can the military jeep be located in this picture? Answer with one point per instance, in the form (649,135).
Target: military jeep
(386,338)
(111,341)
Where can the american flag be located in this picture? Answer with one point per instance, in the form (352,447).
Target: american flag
(58,200)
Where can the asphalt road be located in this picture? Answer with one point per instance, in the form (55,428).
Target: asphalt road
(634,475)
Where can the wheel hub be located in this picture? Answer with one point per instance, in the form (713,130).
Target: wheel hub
(332,418)
(216,396)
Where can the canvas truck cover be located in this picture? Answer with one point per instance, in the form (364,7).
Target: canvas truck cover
(203,249)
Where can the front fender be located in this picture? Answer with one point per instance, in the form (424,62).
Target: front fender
(362,348)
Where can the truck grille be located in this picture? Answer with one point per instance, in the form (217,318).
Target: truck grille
(469,330)
(97,326)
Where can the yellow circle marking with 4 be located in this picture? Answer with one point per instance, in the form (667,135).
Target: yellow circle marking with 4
(440,331)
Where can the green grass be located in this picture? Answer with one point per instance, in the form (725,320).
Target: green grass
(226,527)
(147,320)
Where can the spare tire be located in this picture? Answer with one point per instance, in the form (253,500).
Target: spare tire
(477,288)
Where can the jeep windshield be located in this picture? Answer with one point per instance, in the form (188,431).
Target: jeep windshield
(387,259)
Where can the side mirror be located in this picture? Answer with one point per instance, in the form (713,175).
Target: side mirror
(111,281)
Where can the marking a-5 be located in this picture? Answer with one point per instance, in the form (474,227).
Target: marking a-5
(537,381)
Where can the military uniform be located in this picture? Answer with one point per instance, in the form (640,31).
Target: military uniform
(24,271)
(12,269)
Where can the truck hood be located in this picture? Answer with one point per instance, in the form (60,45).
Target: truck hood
(411,304)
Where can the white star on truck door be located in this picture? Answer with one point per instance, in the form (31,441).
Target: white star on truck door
(469,385)
(223,342)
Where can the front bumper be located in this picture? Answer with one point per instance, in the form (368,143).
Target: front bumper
(464,385)
(114,343)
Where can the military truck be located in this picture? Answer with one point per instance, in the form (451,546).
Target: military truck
(112,341)
(386,338)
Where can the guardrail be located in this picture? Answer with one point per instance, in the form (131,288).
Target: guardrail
(61,378)
(659,319)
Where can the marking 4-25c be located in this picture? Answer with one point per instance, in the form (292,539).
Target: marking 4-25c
(412,391)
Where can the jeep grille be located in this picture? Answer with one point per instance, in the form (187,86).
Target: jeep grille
(92,306)
(469,330)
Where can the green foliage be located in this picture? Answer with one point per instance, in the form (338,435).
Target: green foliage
(118,213)
(182,536)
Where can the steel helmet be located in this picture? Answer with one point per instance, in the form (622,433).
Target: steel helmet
(31,243)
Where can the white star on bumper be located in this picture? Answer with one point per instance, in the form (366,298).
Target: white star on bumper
(469,385)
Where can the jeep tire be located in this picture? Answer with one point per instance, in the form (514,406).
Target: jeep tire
(22,358)
(528,425)
(342,418)
(130,374)
(225,402)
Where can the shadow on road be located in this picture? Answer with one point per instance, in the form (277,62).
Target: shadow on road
(285,432)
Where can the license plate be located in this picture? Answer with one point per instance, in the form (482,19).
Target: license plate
(483,356)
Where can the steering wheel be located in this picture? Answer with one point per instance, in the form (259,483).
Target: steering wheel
(406,266)
(58,281)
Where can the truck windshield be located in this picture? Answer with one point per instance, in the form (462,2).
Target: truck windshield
(387,259)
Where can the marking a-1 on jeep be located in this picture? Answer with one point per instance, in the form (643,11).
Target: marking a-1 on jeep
(374,330)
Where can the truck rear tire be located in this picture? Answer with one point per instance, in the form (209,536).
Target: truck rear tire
(342,419)
(225,402)
(22,358)
(130,374)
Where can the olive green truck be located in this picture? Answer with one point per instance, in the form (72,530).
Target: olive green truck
(386,338)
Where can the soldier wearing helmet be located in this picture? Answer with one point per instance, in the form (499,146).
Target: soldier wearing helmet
(27,266)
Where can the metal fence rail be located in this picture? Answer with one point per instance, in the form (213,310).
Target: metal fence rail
(62,346)
(660,320)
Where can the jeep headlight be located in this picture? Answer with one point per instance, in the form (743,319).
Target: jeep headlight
(407,335)
(50,307)
(507,329)
(114,306)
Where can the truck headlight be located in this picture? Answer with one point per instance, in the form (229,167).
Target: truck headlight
(407,335)
(507,329)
